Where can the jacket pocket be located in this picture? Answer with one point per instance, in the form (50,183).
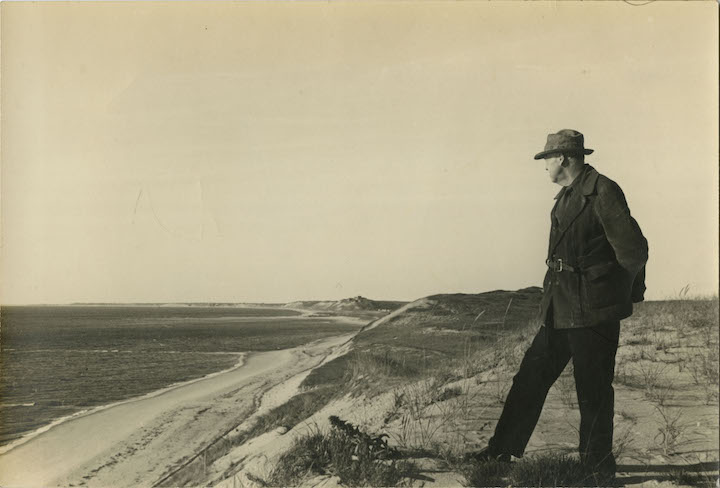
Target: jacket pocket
(594,273)
(600,283)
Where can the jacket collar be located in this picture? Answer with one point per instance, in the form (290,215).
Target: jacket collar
(585,182)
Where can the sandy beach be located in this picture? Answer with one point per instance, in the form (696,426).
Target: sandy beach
(138,442)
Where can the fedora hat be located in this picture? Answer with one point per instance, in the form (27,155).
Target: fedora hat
(565,141)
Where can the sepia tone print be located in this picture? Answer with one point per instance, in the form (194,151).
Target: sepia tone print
(323,244)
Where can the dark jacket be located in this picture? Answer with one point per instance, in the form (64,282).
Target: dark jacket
(603,253)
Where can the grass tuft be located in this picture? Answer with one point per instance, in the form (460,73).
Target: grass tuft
(552,470)
(355,457)
(292,412)
(548,470)
(685,476)
(492,473)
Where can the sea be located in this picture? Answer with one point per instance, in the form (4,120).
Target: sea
(57,362)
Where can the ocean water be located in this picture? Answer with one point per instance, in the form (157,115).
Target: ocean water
(56,361)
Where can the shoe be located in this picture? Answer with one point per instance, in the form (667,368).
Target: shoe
(486,455)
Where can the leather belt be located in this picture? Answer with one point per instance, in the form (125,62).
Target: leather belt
(558,265)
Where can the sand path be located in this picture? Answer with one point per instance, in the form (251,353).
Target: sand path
(136,443)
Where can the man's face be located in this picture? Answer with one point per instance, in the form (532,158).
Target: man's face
(554,167)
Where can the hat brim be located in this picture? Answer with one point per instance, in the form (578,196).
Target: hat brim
(541,155)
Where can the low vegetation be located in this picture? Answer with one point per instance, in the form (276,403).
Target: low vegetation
(693,476)
(355,457)
(287,415)
(546,470)
(445,364)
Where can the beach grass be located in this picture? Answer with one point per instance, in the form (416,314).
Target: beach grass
(355,457)
(552,470)
(448,365)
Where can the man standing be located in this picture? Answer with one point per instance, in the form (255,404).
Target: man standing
(596,270)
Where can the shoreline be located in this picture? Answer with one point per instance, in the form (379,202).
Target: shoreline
(241,357)
(6,448)
(135,441)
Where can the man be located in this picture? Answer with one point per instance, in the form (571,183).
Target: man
(596,270)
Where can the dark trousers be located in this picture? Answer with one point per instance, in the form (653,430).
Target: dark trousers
(592,350)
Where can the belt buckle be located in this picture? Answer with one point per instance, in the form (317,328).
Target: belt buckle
(555,264)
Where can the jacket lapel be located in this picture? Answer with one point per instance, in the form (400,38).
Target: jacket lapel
(575,205)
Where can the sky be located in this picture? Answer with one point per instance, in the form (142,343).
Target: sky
(277,151)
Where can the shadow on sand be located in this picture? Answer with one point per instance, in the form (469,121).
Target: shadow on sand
(640,473)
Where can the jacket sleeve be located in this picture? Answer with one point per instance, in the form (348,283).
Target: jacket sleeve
(622,231)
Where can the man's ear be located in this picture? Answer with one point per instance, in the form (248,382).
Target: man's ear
(564,162)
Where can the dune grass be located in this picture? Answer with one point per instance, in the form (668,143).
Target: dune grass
(433,359)
(445,338)
(294,411)
(547,470)
(355,457)
(287,415)
(688,476)
(426,365)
